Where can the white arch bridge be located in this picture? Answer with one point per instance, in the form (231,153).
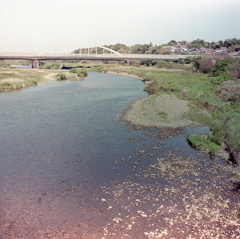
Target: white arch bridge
(86,51)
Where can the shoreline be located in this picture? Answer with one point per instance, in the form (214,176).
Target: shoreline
(165,111)
(20,78)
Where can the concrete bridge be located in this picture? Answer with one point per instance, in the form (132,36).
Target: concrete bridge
(66,54)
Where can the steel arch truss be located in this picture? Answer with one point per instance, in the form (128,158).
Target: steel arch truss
(87,45)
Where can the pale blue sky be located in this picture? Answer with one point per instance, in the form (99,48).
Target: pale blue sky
(37,25)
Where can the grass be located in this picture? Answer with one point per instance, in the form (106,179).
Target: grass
(203,143)
(5,86)
(13,79)
(162,113)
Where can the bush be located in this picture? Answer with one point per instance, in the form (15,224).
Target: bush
(61,76)
(53,65)
(194,60)
(236,68)
(222,67)
(160,64)
(73,70)
(206,63)
(81,72)
(136,63)
(188,60)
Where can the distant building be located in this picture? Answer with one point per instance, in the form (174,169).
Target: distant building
(237,48)
(170,48)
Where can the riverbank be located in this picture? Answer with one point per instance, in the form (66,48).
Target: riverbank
(18,78)
(161,110)
(204,107)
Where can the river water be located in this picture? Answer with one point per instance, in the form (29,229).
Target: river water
(70,168)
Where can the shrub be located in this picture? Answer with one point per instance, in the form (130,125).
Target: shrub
(222,67)
(188,60)
(73,70)
(206,63)
(236,68)
(53,65)
(136,63)
(61,76)
(194,60)
(81,72)
(160,64)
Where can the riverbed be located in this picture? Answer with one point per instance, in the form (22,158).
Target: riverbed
(71,168)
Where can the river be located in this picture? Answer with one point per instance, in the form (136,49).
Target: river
(70,168)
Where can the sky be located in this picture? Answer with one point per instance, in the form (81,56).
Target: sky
(38,25)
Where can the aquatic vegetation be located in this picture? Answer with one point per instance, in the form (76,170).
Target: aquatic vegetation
(203,143)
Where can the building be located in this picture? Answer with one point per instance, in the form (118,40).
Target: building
(237,48)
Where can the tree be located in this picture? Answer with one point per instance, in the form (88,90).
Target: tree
(198,43)
(220,43)
(227,43)
(117,47)
(140,49)
(172,43)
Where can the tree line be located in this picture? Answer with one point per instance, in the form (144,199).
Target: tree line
(158,49)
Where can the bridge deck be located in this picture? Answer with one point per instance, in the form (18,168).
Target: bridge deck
(109,57)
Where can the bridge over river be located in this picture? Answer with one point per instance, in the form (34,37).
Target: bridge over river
(109,55)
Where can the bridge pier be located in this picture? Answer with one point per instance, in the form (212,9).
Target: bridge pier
(35,64)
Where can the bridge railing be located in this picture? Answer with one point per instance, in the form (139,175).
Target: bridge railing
(109,55)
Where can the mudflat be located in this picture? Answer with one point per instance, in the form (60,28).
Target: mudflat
(162,110)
